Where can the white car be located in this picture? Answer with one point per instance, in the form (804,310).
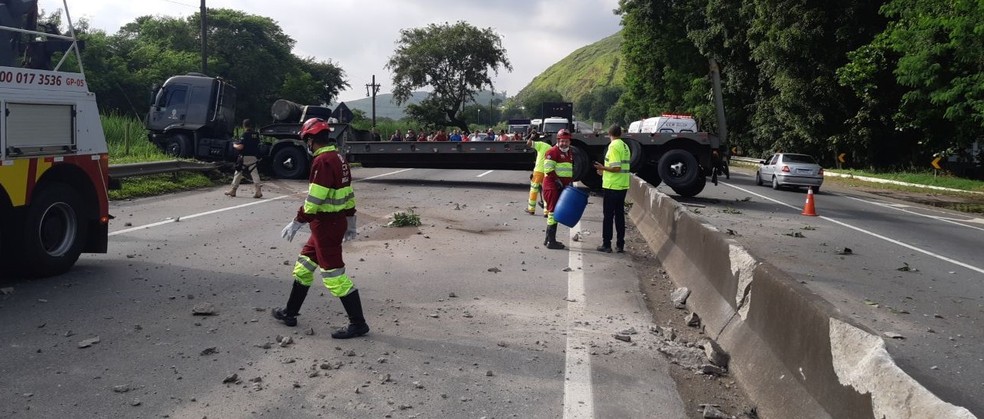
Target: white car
(789,169)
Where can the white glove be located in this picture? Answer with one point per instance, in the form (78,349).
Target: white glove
(350,233)
(291,229)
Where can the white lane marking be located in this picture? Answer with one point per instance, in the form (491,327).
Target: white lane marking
(387,174)
(578,395)
(870,233)
(483,174)
(901,208)
(201,214)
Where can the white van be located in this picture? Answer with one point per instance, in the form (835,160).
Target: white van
(635,127)
(669,123)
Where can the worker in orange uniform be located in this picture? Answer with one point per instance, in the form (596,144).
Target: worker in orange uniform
(558,171)
(330,211)
(536,181)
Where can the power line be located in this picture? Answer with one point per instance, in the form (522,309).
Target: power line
(180,3)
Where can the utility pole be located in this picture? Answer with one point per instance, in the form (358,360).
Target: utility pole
(204,39)
(371,90)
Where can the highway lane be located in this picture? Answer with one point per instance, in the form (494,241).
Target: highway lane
(471,317)
(914,271)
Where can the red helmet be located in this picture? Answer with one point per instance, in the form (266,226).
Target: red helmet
(314,126)
(564,134)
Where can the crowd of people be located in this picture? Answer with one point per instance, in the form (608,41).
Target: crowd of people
(455,135)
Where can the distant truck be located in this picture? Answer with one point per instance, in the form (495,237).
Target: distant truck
(664,123)
(193,116)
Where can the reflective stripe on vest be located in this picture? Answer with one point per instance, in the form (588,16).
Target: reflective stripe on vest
(323,199)
(565,169)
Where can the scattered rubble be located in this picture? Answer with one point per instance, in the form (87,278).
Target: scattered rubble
(203,309)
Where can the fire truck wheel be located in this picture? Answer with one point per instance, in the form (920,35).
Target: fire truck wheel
(56,231)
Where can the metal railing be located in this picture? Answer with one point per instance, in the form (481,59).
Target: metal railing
(120,171)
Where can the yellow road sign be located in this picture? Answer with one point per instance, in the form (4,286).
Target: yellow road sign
(840,157)
(936,163)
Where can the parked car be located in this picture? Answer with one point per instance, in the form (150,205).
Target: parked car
(789,169)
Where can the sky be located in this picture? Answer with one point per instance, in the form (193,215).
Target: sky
(360,35)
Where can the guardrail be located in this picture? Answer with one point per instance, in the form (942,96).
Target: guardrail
(119,171)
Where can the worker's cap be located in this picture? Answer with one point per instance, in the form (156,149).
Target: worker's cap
(563,134)
(314,126)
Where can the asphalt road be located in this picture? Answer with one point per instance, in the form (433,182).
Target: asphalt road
(470,315)
(913,273)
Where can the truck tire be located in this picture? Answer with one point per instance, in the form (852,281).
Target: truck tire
(636,155)
(55,231)
(650,174)
(289,163)
(178,145)
(584,171)
(679,169)
(692,190)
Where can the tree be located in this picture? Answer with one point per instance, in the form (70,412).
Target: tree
(453,60)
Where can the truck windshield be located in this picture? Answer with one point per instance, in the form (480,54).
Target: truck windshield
(553,127)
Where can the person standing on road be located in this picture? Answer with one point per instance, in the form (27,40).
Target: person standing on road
(615,184)
(536,179)
(330,211)
(248,147)
(558,171)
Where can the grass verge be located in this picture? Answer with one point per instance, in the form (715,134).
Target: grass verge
(137,187)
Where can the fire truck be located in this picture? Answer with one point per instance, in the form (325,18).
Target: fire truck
(54,162)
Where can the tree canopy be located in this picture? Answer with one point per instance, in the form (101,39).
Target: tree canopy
(453,60)
(888,82)
(251,52)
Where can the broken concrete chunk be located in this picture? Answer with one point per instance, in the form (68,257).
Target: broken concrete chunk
(712,370)
(230,379)
(679,297)
(203,309)
(693,320)
(623,338)
(715,354)
(88,342)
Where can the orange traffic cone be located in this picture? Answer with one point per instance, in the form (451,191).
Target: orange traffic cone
(809,208)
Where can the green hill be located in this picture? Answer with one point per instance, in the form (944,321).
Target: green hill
(596,65)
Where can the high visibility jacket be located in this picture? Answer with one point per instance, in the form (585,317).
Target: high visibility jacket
(541,151)
(618,155)
(558,165)
(330,186)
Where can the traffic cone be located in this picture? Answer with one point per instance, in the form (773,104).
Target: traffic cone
(809,208)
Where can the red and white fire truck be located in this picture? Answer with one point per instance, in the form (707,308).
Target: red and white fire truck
(54,162)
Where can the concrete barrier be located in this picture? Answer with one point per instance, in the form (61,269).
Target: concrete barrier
(792,351)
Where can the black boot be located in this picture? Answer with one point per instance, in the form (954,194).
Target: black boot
(357,322)
(546,237)
(552,238)
(288,315)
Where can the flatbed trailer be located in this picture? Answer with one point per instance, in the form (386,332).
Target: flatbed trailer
(683,161)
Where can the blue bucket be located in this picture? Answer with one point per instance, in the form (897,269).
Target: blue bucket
(570,206)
